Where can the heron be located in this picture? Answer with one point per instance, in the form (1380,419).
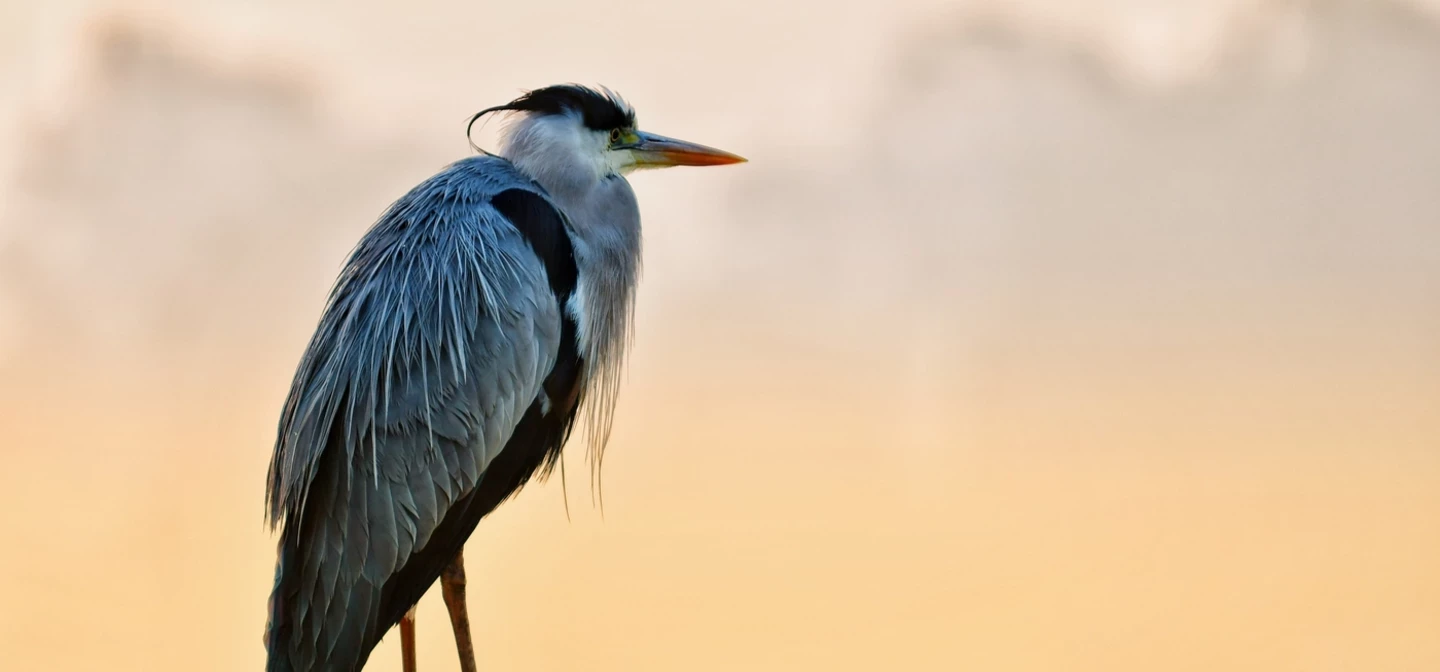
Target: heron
(479,319)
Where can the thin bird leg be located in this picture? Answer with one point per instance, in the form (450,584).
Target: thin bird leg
(407,640)
(452,581)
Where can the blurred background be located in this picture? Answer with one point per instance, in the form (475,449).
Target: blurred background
(1037,335)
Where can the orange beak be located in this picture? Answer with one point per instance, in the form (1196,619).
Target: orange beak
(658,151)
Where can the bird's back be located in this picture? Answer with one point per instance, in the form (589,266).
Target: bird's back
(417,406)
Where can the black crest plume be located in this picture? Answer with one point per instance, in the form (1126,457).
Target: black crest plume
(601,109)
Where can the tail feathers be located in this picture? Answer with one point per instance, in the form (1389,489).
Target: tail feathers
(306,632)
(277,626)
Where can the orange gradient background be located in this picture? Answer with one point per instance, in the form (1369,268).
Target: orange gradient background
(1035,336)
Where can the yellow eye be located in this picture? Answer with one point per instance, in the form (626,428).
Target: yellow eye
(615,136)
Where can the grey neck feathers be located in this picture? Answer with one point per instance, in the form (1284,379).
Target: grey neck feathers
(604,222)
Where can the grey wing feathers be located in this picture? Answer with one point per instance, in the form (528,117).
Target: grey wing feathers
(436,338)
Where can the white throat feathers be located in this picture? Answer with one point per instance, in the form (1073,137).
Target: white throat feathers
(584,177)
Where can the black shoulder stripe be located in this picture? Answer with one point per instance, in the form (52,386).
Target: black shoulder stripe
(543,227)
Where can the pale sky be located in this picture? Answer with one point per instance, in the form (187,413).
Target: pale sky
(1108,344)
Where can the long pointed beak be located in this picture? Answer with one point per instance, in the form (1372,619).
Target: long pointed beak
(655,151)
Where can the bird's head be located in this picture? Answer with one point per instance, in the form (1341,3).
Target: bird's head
(568,127)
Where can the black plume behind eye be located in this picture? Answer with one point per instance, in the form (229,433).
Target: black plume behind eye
(601,110)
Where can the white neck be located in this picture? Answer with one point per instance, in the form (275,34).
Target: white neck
(574,165)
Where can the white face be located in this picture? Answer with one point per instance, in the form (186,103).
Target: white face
(560,152)
(561,144)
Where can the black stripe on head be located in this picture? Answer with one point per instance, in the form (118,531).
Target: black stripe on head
(601,110)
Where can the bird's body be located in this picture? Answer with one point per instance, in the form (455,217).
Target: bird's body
(469,328)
